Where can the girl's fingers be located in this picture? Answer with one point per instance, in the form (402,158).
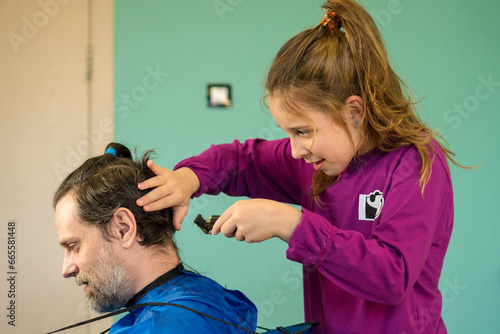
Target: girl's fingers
(153,196)
(155,168)
(229,230)
(239,236)
(156,181)
(220,221)
(150,183)
(217,226)
(179,215)
(160,202)
(168,189)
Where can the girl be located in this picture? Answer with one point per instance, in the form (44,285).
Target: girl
(372,180)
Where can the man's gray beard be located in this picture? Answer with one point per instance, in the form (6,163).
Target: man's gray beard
(111,287)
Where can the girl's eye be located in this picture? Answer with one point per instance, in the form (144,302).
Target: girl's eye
(303,132)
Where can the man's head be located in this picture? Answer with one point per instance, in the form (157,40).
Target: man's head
(92,259)
(102,230)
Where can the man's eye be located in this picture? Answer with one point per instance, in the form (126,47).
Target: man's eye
(303,132)
(73,248)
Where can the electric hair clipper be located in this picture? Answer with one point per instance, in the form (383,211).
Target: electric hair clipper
(205,225)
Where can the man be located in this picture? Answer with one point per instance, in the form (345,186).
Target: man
(125,256)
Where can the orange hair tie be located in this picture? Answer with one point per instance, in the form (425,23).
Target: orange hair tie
(331,20)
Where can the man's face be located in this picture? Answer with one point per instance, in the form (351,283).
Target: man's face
(91,260)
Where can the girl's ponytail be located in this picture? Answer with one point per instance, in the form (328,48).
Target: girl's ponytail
(385,95)
(363,38)
(343,56)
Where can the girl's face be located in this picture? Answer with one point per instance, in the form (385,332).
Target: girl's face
(317,139)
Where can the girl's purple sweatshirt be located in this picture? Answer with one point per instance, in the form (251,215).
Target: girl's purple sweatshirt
(372,250)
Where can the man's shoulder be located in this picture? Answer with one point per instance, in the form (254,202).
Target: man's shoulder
(189,303)
(166,319)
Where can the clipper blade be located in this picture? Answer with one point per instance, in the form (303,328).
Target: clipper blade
(205,225)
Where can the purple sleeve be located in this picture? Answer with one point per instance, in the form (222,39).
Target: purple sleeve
(256,168)
(411,232)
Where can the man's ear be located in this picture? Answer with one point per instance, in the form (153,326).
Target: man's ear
(124,227)
(355,109)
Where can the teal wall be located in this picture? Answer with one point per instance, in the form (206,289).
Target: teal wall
(447,51)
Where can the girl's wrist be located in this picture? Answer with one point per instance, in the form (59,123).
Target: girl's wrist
(190,177)
(294,217)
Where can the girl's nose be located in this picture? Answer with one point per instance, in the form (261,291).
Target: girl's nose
(299,150)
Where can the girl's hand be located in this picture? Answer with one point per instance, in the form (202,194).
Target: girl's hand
(173,190)
(257,220)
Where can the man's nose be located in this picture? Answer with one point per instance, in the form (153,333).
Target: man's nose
(69,269)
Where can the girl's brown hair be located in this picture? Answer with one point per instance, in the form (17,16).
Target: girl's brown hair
(107,182)
(322,66)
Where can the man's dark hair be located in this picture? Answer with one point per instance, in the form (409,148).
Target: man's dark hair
(107,182)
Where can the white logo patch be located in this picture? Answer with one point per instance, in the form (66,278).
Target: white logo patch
(370,205)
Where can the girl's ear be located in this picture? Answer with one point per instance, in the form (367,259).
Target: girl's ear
(124,227)
(355,109)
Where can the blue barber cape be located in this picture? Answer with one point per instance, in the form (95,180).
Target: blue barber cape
(195,292)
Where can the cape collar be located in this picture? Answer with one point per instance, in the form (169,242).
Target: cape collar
(171,274)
